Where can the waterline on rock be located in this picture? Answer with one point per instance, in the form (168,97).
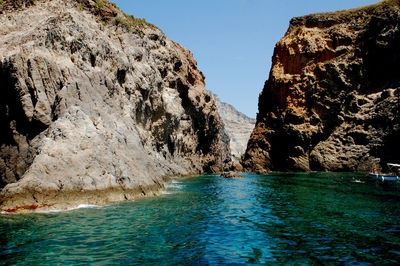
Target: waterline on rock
(81,206)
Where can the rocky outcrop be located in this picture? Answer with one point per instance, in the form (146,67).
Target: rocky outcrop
(331,102)
(238,126)
(231,175)
(96,106)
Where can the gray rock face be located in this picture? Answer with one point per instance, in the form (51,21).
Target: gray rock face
(96,106)
(238,126)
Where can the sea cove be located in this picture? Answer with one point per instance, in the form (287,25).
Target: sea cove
(275,115)
(282,218)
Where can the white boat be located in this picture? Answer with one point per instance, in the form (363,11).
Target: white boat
(393,175)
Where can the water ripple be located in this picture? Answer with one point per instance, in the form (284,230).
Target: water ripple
(286,218)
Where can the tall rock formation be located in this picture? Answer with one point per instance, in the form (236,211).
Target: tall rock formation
(331,102)
(237,125)
(96,106)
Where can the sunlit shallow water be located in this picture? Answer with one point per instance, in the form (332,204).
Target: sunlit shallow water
(315,218)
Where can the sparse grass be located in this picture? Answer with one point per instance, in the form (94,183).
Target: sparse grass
(100,4)
(367,8)
(381,4)
(109,13)
(1,2)
(131,22)
(362,14)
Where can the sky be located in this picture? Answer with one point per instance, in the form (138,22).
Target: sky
(231,40)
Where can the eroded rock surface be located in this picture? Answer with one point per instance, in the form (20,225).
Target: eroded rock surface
(238,126)
(231,175)
(332,98)
(96,106)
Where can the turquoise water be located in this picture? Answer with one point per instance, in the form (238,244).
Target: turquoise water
(282,219)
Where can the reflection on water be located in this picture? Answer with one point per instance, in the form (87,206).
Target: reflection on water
(276,219)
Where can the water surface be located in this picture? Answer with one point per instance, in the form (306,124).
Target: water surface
(305,218)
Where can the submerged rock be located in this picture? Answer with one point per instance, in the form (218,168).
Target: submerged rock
(231,175)
(331,102)
(96,106)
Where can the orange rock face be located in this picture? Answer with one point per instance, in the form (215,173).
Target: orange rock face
(331,102)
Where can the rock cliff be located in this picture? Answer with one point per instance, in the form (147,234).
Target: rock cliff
(331,102)
(96,106)
(238,126)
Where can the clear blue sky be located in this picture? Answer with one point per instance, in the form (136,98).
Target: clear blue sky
(232,40)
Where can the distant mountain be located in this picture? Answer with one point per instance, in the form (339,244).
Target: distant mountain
(238,126)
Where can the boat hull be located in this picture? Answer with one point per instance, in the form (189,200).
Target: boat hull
(384,177)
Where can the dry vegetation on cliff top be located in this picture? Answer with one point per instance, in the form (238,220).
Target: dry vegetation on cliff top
(322,20)
(107,12)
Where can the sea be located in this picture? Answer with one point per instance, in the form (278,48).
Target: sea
(275,219)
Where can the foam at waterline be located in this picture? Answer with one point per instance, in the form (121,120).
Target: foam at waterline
(165,192)
(81,206)
(174,184)
(171,187)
